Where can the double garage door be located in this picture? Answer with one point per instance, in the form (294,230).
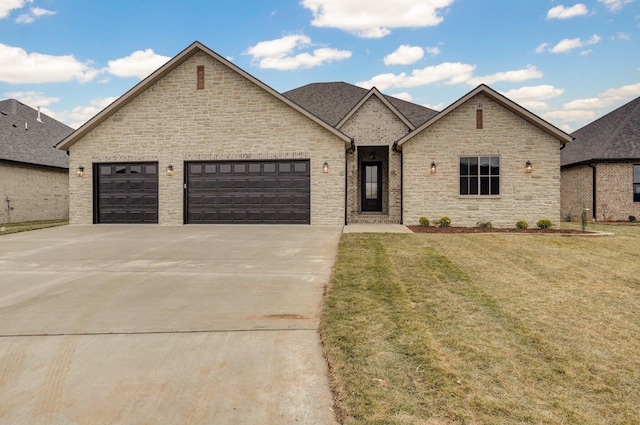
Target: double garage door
(227,192)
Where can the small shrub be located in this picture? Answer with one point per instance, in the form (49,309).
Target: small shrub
(632,218)
(424,221)
(543,223)
(485,224)
(444,221)
(521,224)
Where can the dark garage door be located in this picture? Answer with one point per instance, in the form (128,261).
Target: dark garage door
(248,192)
(126,193)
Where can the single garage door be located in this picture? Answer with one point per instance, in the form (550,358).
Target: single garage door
(126,193)
(248,192)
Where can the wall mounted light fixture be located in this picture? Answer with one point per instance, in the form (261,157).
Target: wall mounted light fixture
(325,167)
(80,171)
(433,167)
(528,167)
(170,170)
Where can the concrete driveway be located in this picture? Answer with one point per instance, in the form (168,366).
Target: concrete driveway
(164,325)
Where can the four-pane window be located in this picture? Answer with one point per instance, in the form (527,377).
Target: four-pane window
(480,175)
(636,183)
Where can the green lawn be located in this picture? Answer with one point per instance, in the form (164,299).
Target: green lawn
(29,225)
(485,329)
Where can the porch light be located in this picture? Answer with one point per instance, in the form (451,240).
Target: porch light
(325,167)
(528,167)
(170,170)
(433,167)
(80,171)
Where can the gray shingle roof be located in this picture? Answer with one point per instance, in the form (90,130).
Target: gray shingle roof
(615,136)
(333,101)
(33,143)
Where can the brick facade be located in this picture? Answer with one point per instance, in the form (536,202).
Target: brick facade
(374,128)
(231,118)
(577,191)
(36,193)
(523,196)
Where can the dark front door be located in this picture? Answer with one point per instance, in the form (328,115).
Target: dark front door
(371,186)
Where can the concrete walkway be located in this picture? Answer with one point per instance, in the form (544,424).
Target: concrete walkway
(170,325)
(375,228)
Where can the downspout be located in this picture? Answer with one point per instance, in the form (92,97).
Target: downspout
(352,148)
(593,189)
(395,149)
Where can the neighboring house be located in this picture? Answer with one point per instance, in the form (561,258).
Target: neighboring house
(202,141)
(601,167)
(34,175)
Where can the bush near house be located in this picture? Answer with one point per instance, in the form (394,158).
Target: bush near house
(424,221)
(544,223)
(444,221)
(521,224)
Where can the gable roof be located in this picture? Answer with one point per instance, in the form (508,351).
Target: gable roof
(25,139)
(505,103)
(375,92)
(176,61)
(615,136)
(332,102)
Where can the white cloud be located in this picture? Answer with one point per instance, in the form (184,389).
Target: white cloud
(621,36)
(586,52)
(437,107)
(542,47)
(450,73)
(404,55)
(6,6)
(81,114)
(278,54)
(533,93)
(512,76)
(569,44)
(590,103)
(403,96)
(563,115)
(622,93)
(17,67)
(35,12)
(32,98)
(534,105)
(433,51)
(139,64)
(375,18)
(561,12)
(615,5)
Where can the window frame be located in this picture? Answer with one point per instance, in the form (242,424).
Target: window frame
(479,176)
(635,183)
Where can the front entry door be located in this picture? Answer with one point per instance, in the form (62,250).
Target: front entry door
(371,188)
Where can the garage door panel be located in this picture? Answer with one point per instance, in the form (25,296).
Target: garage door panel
(248,192)
(126,193)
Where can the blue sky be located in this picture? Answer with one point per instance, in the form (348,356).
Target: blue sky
(569,62)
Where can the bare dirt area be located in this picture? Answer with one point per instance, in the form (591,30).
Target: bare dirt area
(457,230)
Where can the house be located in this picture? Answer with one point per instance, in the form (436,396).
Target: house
(34,175)
(202,141)
(601,167)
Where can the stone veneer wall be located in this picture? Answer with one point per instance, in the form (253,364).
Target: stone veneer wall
(374,124)
(576,191)
(231,118)
(523,196)
(36,193)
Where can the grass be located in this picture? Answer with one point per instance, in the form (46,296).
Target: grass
(29,225)
(485,329)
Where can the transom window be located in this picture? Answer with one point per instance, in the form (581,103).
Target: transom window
(480,175)
(636,183)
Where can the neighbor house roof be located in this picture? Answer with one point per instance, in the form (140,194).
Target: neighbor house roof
(504,102)
(332,102)
(179,59)
(25,139)
(615,136)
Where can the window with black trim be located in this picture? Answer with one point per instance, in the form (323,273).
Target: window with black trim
(636,183)
(480,175)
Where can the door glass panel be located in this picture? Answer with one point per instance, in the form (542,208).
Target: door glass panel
(121,169)
(136,169)
(151,169)
(371,181)
(105,170)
